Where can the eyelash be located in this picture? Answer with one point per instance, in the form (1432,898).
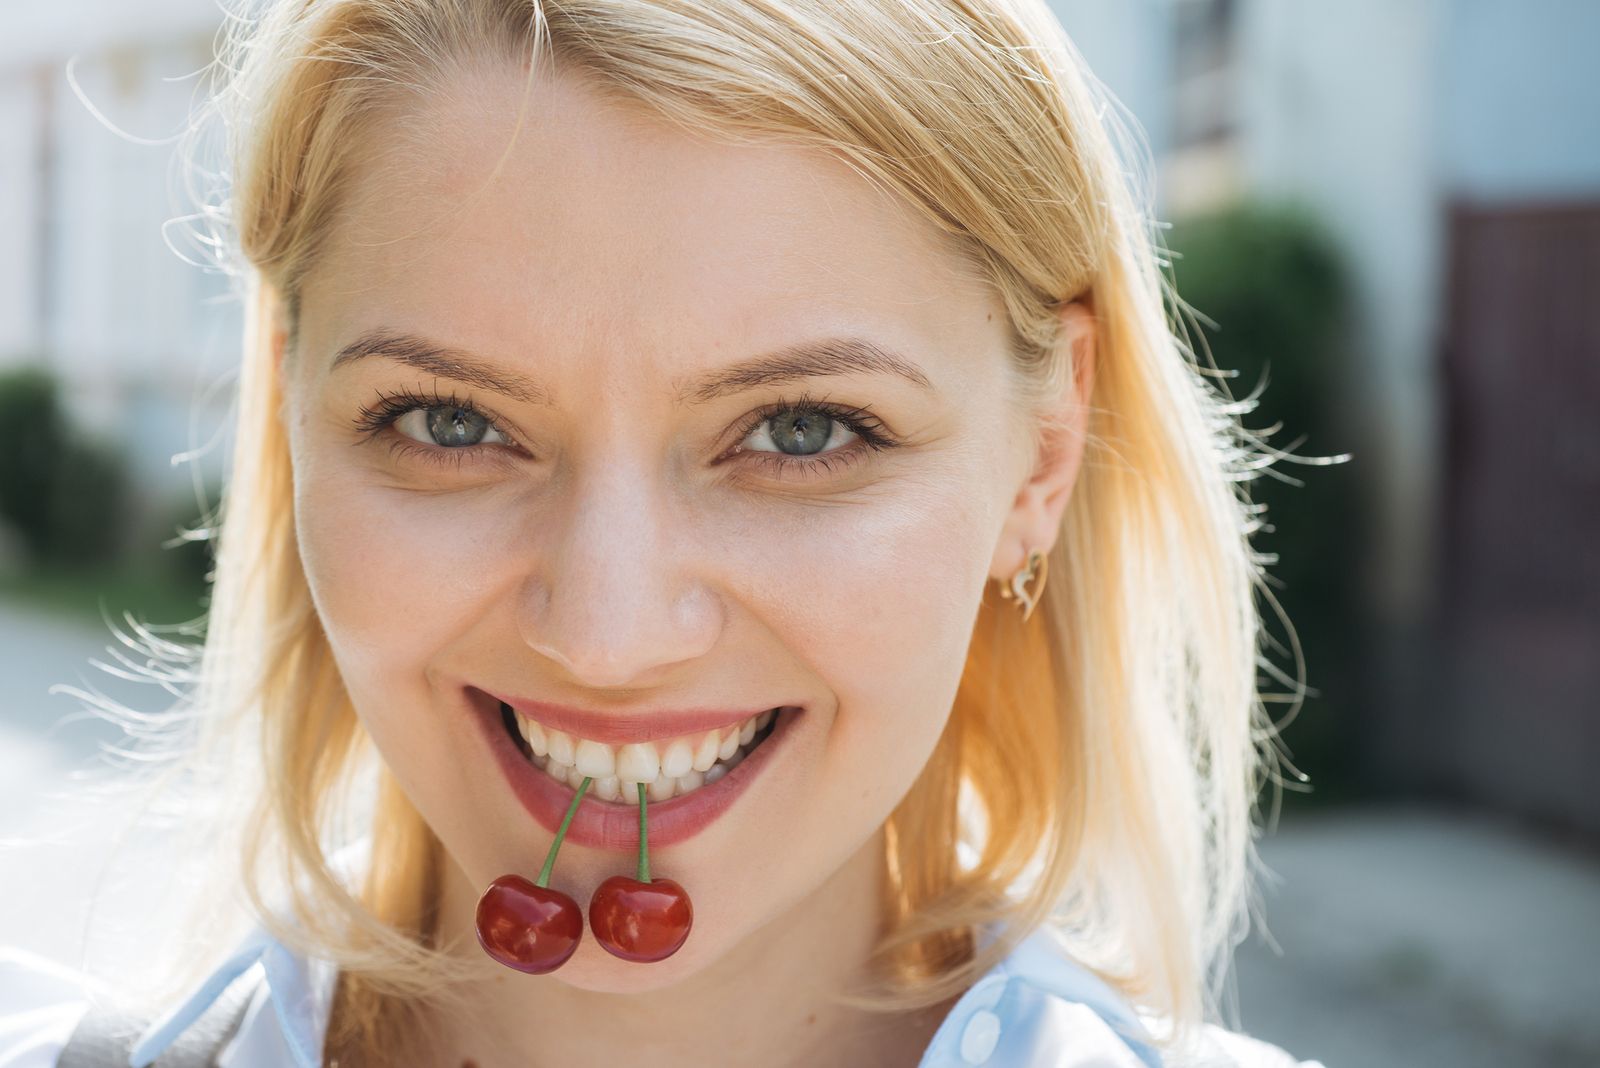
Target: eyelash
(870,431)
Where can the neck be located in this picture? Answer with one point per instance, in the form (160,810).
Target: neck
(769,1001)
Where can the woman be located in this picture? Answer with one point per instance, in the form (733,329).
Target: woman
(739,440)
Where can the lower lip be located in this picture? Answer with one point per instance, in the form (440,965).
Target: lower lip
(606,824)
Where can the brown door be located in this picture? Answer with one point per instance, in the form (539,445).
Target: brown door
(1519,582)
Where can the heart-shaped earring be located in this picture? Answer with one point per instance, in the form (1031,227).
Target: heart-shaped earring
(1038,566)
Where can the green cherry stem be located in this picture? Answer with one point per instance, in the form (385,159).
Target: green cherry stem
(644,843)
(555,847)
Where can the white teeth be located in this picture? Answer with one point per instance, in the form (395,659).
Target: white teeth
(638,762)
(706,755)
(561,747)
(669,770)
(677,760)
(595,759)
(533,734)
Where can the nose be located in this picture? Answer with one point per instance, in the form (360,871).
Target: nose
(621,595)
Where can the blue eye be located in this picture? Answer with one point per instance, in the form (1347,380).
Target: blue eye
(455,425)
(808,432)
(802,430)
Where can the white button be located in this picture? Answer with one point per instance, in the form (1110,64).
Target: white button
(981,1036)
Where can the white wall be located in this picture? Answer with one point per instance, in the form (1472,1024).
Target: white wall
(133,330)
(1126,44)
(19,204)
(1519,93)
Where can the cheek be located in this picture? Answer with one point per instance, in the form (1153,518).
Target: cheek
(392,585)
(376,588)
(878,599)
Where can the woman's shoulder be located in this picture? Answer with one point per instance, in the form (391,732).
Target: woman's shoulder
(1041,1007)
(41,1003)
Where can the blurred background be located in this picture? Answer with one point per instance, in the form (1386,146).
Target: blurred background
(1387,210)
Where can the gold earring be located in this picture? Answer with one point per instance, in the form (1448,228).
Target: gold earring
(1038,566)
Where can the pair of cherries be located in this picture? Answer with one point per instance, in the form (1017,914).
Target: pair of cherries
(532,928)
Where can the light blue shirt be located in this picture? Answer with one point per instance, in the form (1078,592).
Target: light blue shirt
(1037,1007)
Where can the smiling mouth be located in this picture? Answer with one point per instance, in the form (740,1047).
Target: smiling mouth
(668,768)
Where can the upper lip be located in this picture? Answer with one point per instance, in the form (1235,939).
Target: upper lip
(621,727)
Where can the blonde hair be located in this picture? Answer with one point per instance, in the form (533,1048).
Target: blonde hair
(1101,765)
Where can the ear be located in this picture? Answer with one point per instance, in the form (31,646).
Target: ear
(1034,521)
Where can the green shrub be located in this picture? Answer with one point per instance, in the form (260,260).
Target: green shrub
(35,431)
(65,493)
(1271,279)
(88,505)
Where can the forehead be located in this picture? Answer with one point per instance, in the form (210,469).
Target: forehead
(598,220)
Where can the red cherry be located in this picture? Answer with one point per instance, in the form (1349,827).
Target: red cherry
(530,928)
(526,925)
(640,922)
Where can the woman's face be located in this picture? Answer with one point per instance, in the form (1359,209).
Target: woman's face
(681,432)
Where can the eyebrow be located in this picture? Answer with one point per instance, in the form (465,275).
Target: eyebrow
(442,360)
(806,359)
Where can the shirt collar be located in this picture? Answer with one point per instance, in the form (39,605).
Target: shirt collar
(1041,964)
(299,990)
(1042,961)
